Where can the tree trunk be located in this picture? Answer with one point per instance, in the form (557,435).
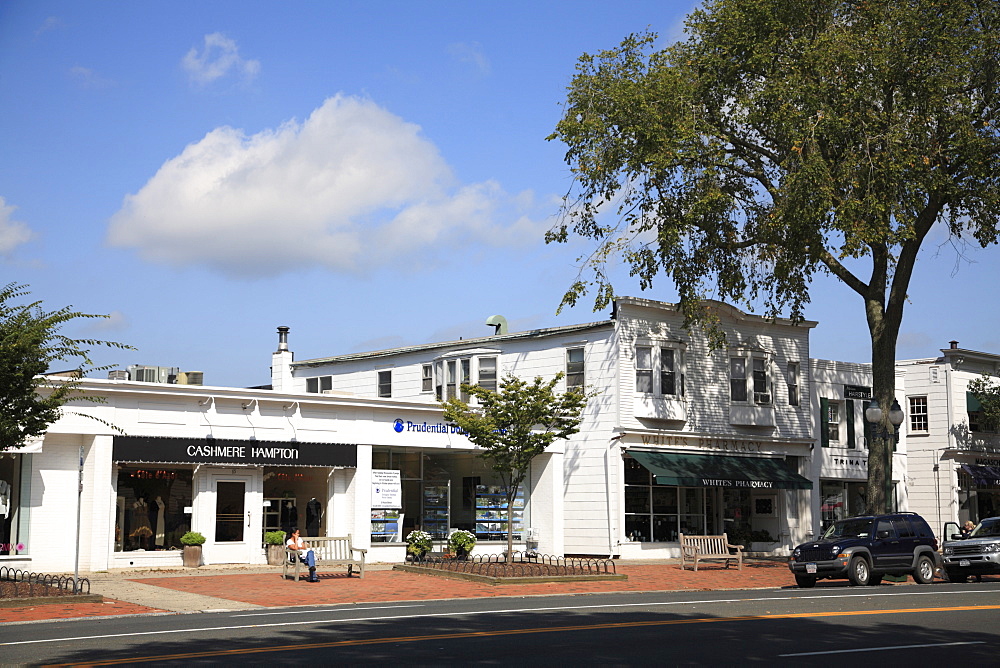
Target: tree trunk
(884,329)
(511,493)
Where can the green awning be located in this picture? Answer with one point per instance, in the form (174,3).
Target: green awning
(972,404)
(719,471)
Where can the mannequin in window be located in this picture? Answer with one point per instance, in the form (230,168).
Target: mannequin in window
(314,513)
(142,530)
(160,534)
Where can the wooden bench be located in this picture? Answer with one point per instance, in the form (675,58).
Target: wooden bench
(329,551)
(703,548)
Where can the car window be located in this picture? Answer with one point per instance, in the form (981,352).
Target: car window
(922,528)
(884,526)
(902,526)
(990,527)
(848,529)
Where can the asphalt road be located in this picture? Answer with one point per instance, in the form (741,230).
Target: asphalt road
(858,626)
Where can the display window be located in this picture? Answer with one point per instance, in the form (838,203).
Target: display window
(151,507)
(295,497)
(14,476)
(659,513)
(840,499)
(442,491)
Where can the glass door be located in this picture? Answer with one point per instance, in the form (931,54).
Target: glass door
(236,519)
(230,511)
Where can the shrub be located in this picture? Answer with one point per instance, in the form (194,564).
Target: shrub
(274,538)
(461,540)
(192,538)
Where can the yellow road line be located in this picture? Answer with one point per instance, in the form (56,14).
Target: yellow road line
(481,634)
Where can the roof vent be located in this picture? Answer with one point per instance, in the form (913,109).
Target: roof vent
(954,345)
(499,322)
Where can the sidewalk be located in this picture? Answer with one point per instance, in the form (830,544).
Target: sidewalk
(216,588)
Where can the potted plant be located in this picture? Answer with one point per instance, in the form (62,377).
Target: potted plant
(418,544)
(275,542)
(192,542)
(460,543)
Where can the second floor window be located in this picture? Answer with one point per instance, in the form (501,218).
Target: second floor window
(792,379)
(918,414)
(385,383)
(750,378)
(319,384)
(450,375)
(574,369)
(658,370)
(737,378)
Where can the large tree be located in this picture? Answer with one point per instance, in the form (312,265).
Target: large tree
(515,424)
(30,343)
(784,139)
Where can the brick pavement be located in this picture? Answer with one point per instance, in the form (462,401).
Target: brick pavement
(269,589)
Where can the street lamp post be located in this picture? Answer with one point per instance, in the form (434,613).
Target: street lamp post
(874,415)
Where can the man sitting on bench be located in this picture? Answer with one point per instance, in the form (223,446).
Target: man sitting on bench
(303,553)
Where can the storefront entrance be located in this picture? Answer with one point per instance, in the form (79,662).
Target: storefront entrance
(235,517)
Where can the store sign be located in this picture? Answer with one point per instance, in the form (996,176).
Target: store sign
(857,392)
(387,490)
(161,450)
(720,444)
(405,426)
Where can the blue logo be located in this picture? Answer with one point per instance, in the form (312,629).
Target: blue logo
(398,426)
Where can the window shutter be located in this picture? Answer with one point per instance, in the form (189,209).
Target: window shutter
(851,443)
(824,422)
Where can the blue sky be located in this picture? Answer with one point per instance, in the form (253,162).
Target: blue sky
(371,174)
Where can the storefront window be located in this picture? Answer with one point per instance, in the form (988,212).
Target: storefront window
(841,499)
(447,490)
(13,508)
(150,507)
(658,513)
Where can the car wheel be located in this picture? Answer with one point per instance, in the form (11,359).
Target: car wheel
(805,581)
(858,572)
(924,572)
(956,576)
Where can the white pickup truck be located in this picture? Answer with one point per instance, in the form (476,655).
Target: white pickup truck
(976,555)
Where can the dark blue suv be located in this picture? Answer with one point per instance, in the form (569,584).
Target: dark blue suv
(864,549)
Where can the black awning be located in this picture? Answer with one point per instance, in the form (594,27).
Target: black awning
(983,476)
(685,470)
(167,450)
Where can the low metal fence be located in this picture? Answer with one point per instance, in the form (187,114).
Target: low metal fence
(523,564)
(16,583)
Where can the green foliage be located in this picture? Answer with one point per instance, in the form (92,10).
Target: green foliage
(781,140)
(30,343)
(192,538)
(987,392)
(461,539)
(515,424)
(274,537)
(418,542)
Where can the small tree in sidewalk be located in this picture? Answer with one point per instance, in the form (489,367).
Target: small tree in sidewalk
(515,424)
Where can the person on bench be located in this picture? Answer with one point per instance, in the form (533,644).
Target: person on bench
(303,553)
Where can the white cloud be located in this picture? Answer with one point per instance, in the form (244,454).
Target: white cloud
(50,23)
(219,57)
(13,233)
(471,53)
(115,321)
(88,78)
(351,188)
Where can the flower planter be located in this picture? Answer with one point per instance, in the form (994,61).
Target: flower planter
(275,555)
(191,554)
